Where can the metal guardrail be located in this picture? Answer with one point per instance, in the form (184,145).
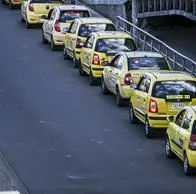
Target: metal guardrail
(146,41)
(147,8)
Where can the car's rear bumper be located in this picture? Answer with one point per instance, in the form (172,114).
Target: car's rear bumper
(158,121)
(58,38)
(16,2)
(191,158)
(34,18)
(97,71)
(125,91)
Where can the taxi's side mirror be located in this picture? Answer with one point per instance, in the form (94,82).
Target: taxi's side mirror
(43,18)
(170,119)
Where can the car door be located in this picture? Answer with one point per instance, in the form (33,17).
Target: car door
(141,97)
(115,73)
(108,72)
(183,134)
(47,25)
(87,52)
(174,131)
(69,37)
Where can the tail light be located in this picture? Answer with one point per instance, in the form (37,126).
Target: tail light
(57,26)
(96,60)
(153,108)
(128,80)
(192,142)
(31,7)
(79,43)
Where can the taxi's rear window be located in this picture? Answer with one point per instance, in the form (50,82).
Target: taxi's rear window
(68,15)
(46,1)
(138,63)
(86,29)
(115,44)
(194,128)
(174,88)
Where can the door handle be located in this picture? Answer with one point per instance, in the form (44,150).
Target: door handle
(116,73)
(110,71)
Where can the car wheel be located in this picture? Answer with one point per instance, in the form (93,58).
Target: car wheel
(147,129)
(81,71)
(65,55)
(2,2)
(75,62)
(22,20)
(28,25)
(104,87)
(11,6)
(188,170)
(119,100)
(168,152)
(92,80)
(53,45)
(132,116)
(44,41)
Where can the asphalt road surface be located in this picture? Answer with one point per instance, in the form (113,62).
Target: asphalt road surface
(62,136)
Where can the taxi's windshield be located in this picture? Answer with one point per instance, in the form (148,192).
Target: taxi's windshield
(138,63)
(168,88)
(86,29)
(115,44)
(69,15)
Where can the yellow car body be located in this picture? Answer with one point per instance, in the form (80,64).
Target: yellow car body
(12,3)
(77,34)
(100,48)
(32,11)
(58,21)
(181,138)
(127,68)
(159,95)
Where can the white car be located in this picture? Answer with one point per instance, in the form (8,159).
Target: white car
(58,21)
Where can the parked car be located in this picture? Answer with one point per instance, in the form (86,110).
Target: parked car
(126,68)
(181,138)
(78,32)
(99,49)
(159,95)
(58,21)
(33,10)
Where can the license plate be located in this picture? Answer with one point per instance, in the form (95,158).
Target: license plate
(177,106)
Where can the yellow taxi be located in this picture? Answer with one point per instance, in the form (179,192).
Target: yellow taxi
(100,48)
(58,21)
(12,3)
(33,10)
(181,138)
(126,68)
(77,34)
(159,95)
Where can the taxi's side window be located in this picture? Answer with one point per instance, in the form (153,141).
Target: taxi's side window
(89,42)
(180,117)
(50,14)
(187,120)
(73,28)
(53,15)
(144,84)
(114,62)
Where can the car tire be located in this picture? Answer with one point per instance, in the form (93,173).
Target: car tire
(119,100)
(11,6)
(28,25)
(188,170)
(168,152)
(22,20)
(104,88)
(92,81)
(76,63)
(148,129)
(53,46)
(81,71)
(44,40)
(132,117)
(65,55)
